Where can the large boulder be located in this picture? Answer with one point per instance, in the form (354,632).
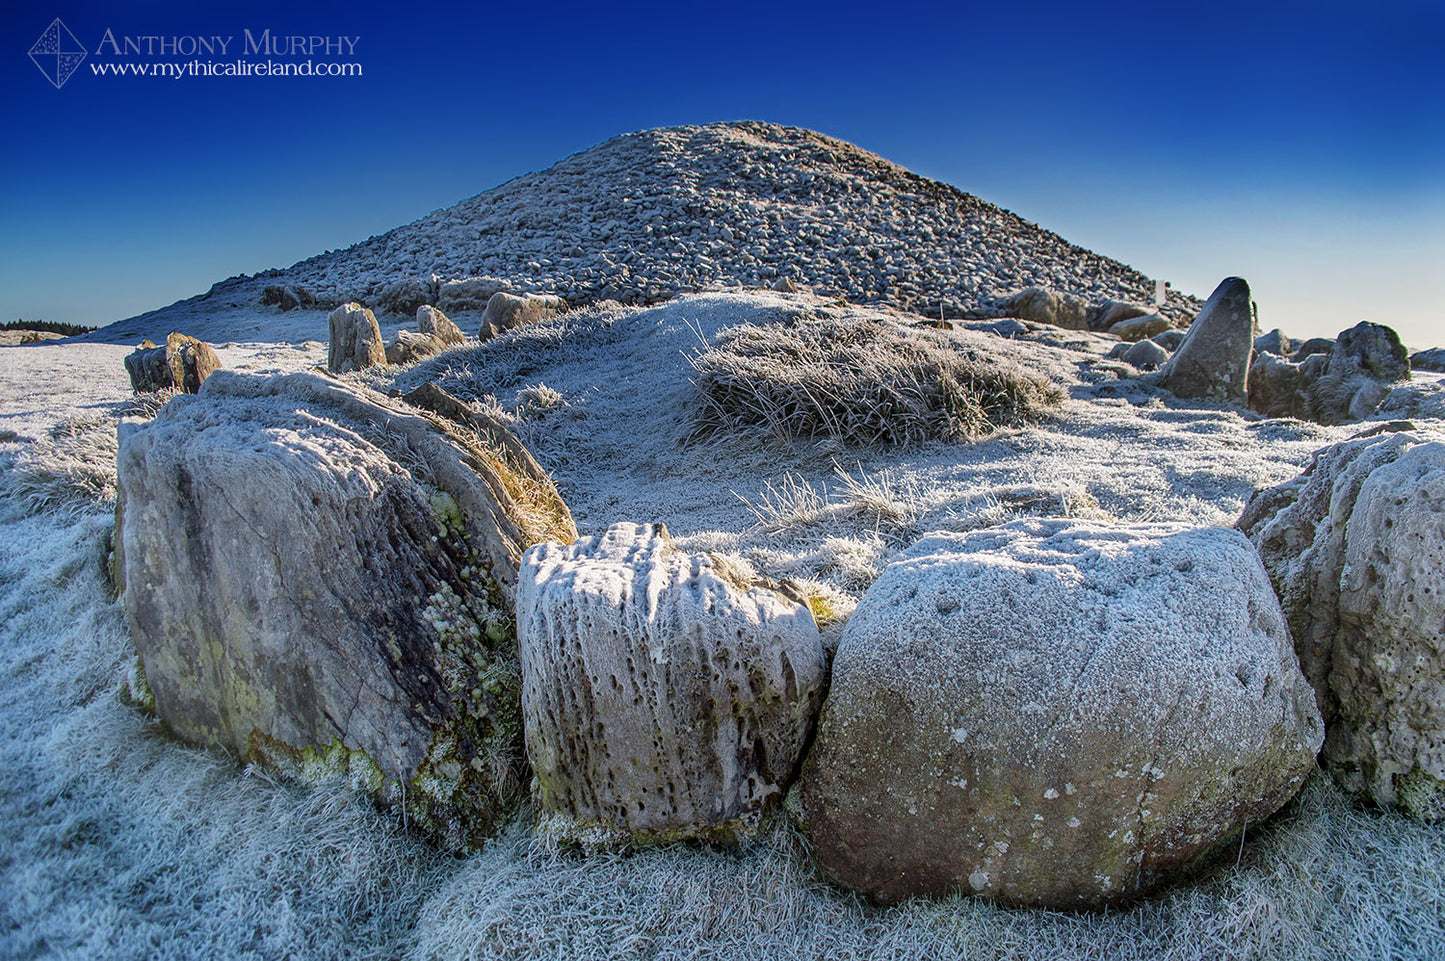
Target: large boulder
(1055,713)
(355,339)
(1358,372)
(1345,383)
(182,364)
(1355,547)
(1044,306)
(411,346)
(506,311)
(1212,363)
(433,323)
(321,579)
(664,695)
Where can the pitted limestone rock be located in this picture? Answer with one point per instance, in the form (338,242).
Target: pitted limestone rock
(1054,712)
(1355,547)
(663,697)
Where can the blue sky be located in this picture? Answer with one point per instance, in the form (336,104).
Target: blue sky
(1300,145)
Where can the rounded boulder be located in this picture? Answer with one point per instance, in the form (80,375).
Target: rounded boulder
(1055,713)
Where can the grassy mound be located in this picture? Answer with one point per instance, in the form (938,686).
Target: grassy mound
(863,380)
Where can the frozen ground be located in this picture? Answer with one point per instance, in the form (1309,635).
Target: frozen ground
(117,842)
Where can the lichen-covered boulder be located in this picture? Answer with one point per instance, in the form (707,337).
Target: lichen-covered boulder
(355,339)
(506,311)
(321,579)
(1355,547)
(664,697)
(1056,713)
(434,323)
(1212,363)
(183,364)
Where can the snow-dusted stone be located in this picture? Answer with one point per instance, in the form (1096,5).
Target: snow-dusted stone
(1044,306)
(468,293)
(1146,355)
(663,696)
(1432,359)
(506,311)
(407,295)
(183,363)
(1315,345)
(355,339)
(1139,328)
(1364,362)
(1355,547)
(1112,312)
(321,579)
(1213,361)
(411,346)
(434,323)
(1054,712)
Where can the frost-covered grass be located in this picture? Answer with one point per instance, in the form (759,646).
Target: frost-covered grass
(118,842)
(860,379)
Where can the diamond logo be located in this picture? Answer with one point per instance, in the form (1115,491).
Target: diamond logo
(57,53)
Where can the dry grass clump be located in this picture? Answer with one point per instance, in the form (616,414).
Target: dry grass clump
(73,464)
(863,380)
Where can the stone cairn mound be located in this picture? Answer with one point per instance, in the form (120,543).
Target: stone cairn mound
(645,216)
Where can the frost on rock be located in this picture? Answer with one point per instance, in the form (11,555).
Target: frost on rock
(1355,547)
(321,579)
(664,697)
(1055,712)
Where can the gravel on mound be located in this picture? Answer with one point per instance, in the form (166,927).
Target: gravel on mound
(646,215)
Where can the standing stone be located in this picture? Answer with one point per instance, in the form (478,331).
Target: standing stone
(183,364)
(355,339)
(664,696)
(321,579)
(434,323)
(1213,361)
(1055,713)
(1355,547)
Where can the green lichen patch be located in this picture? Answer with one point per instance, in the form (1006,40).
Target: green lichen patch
(1421,796)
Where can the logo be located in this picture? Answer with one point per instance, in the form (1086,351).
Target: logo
(57,53)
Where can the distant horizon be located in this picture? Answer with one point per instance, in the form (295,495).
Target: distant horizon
(1297,147)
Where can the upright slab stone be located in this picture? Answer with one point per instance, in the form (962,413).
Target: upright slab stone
(663,697)
(1213,361)
(1055,713)
(432,322)
(321,579)
(1355,547)
(182,364)
(355,339)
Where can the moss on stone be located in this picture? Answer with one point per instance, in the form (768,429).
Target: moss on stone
(1420,795)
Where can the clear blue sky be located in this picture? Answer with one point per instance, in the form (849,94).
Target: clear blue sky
(1300,145)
